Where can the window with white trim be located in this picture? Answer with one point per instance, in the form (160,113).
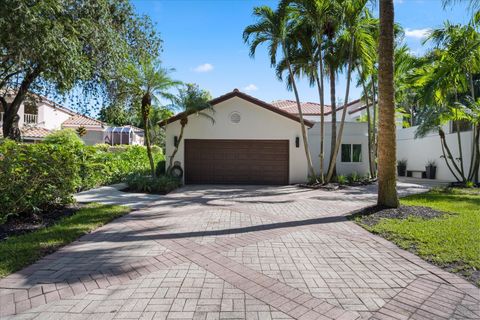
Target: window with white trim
(351,153)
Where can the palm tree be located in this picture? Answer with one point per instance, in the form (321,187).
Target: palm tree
(139,84)
(314,14)
(190,100)
(387,148)
(273,28)
(357,43)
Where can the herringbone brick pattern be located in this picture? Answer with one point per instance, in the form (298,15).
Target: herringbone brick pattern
(238,253)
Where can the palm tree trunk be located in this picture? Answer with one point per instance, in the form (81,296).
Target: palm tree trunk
(334,118)
(174,153)
(333,158)
(442,138)
(145,113)
(450,156)
(311,170)
(387,148)
(369,130)
(321,91)
(374,126)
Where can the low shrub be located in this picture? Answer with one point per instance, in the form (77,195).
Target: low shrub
(35,177)
(159,185)
(160,168)
(353,177)
(341,179)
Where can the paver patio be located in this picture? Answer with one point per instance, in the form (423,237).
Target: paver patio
(209,252)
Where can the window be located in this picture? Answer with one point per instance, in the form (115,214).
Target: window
(351,153)
(463,125)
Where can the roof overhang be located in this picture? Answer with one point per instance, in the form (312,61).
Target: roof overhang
(244,96)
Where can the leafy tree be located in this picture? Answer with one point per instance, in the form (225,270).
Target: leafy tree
(54,46)
(273,28)
(387,177)
(190,99)
(138,84)
(118,115)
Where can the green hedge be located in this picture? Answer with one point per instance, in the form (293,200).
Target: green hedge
(37,177)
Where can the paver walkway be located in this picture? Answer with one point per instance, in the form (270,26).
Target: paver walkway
(238,253)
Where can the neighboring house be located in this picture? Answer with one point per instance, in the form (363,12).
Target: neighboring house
(39,120)
(255,142)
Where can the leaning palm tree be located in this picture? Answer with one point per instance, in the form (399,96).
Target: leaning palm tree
(190,100)
(272,28)
(387,148)
(139,84)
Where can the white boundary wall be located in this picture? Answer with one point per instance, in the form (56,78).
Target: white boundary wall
(418,151)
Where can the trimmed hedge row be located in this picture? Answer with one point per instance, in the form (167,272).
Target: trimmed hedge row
(37,177)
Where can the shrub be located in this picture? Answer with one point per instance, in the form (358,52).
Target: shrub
(353,177)
(160,169)
(341,179)
(64,137)
(159,185)
(35,177)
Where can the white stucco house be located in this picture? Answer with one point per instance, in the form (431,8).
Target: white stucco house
(44,116)
(255,142)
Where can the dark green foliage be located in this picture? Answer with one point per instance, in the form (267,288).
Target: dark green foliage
(159,185)
(37,177)
(160,170)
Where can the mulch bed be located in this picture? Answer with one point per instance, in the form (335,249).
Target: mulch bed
(370,216)
(31,222)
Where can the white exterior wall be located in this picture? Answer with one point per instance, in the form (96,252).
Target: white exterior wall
(256,123)
(353,133)
(51,118)
(93,137)
(418,151)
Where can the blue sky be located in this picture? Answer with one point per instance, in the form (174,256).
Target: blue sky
(203,42)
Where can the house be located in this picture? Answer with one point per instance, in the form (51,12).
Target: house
(255,142)
(40,118)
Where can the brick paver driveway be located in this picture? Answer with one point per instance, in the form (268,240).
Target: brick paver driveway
(238,253)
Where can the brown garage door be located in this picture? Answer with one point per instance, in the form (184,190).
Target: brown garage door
(236,161)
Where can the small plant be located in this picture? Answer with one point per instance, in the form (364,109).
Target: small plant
(148,184)
(342,180)
(469,184)
(160,168)
(431,163)
(353,177)
(402,167)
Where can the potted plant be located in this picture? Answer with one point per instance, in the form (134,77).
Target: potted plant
(431,169)
(402,167)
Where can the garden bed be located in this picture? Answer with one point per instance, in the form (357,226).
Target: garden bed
(441,226)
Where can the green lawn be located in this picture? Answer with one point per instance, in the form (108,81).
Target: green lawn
(452,240)
(20,251)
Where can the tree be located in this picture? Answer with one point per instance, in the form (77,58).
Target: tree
(190,100)
(273,28)
(76,44)
(358,44)
(139,84)
(387,184)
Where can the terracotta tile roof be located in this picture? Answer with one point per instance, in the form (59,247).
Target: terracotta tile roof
(308,108)
(34,132)
(80,120)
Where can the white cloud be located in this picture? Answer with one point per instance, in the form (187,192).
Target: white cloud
(206,67)
(251,87)
(417,33)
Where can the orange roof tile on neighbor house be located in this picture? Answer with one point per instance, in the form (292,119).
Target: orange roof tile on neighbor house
(34,132)
(308,108)
(80,120)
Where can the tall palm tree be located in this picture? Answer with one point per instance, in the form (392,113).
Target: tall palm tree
(190,100)
(357,43)
(387,148)
(315,14)
(141,83)
(272,28)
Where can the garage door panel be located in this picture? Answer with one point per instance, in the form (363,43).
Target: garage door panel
(236,161)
